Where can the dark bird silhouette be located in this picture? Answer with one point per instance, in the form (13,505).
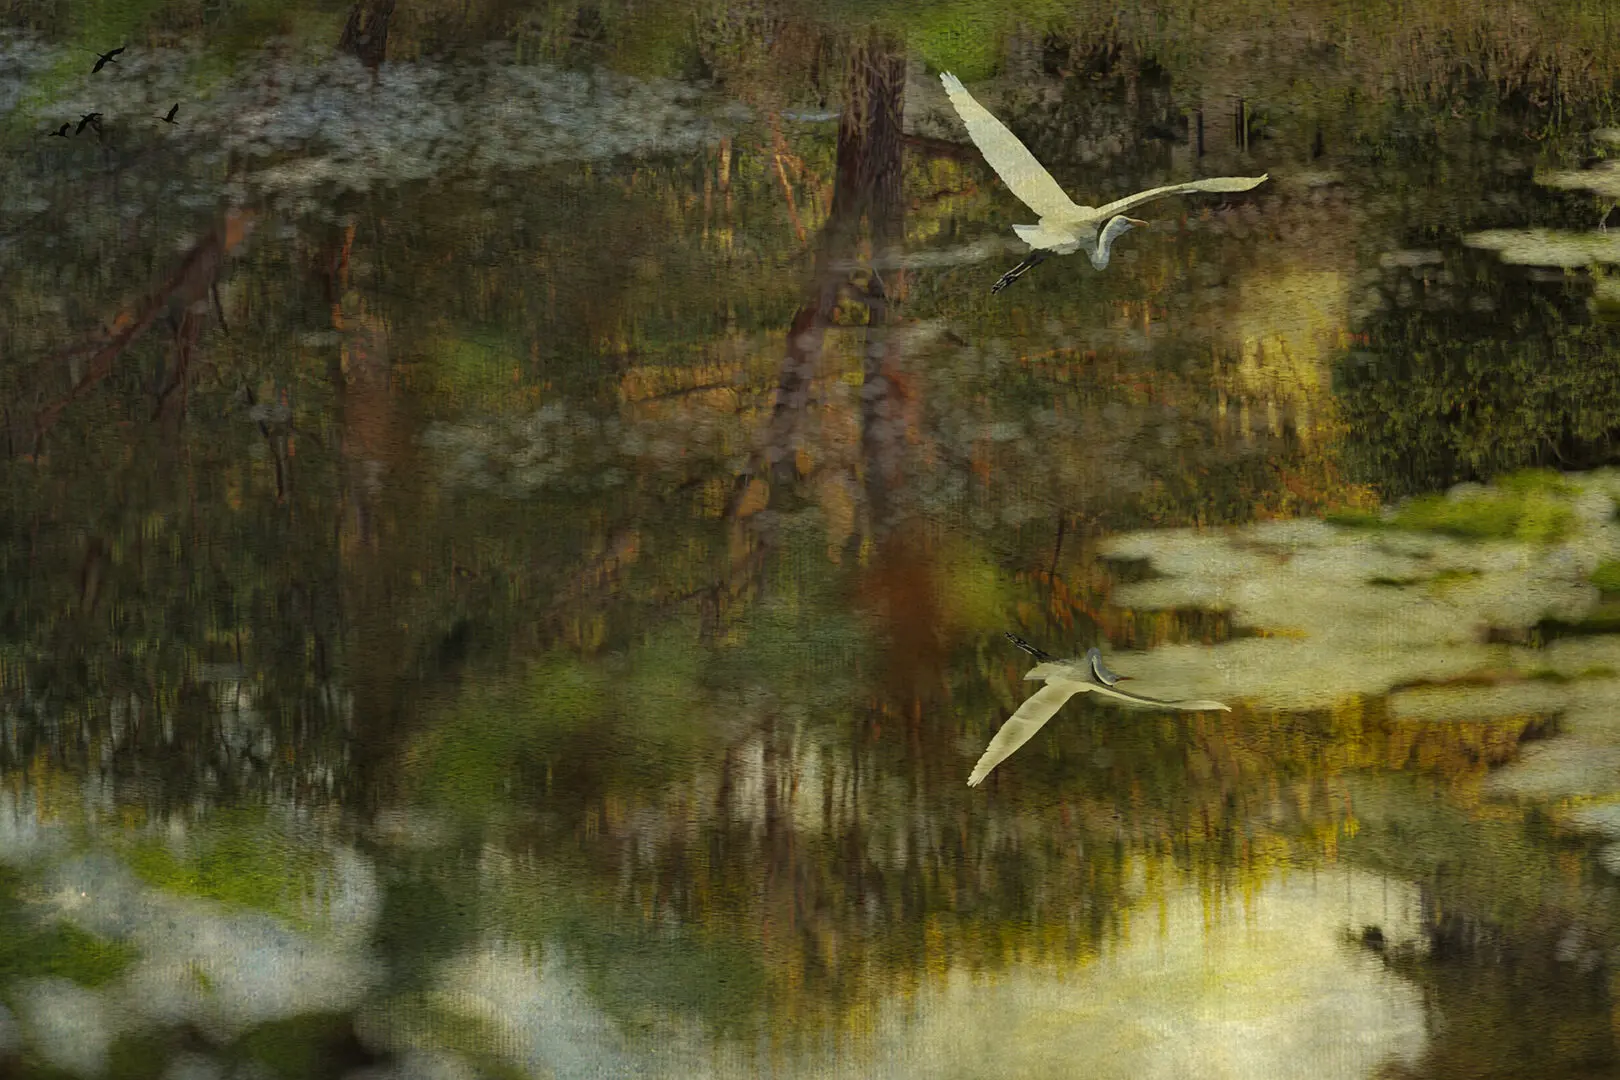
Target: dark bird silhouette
(103,59)
(61,132)
(91,119)
(170,118)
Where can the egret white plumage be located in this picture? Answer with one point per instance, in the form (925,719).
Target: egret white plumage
(1065,227)
(1064,679)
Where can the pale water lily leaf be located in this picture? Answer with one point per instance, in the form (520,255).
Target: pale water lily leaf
(1549,247)
(1602,180)
(1347,611)
(1437,703)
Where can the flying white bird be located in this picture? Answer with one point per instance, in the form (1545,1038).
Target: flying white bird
(1064,679)
(1064,227)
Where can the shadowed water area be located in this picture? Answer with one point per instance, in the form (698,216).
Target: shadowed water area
(508,519)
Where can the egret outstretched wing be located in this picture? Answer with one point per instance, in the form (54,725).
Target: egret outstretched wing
(1213,183)
(1011,159)
(1031,716)
(1194,705)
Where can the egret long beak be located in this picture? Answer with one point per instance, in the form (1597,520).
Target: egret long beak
(1136,221)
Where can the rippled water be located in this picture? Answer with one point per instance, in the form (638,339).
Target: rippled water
(508,527)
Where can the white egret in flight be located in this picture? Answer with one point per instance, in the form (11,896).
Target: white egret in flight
(1064,679)
(1064,227)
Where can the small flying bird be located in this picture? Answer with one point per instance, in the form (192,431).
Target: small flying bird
(1065,227)
(103,59)
(92,119)
(59,133)
(1064,679)
(170,118)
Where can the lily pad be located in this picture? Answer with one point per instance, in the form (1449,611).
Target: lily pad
(1603,180)
(1435,703)
(1549,247)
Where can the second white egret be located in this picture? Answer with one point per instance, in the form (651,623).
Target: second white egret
(1064,679)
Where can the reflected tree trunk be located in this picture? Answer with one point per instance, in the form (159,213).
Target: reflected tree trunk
(885,415)
(901,577)
(372,441)
(190,283)
(867,188)
(866,185)
(172,396)
(365,34)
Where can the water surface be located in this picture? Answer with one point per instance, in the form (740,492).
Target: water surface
(508,520)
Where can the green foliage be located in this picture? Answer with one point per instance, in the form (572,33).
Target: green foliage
(240,860)
(1445,393)
(233,27)
(470,759)
(980,593)
(100,22)
(614,720)
(638,970)
(436,1021)
(297,1047)
(60,949)
(1437,583)
(662,694)
(1443,580)
(1403,828)
(479,370)
(51,84)
(1606,576)
(138,1055)
(429,913)
(310,28)
(1537,482)
(962,38)
(1529,516)
(1531,505)
(804,644)
(654,39)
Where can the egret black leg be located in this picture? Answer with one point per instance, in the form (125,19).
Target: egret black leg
(1034,259)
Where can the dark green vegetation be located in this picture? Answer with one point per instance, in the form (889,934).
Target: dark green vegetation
(1526,506)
